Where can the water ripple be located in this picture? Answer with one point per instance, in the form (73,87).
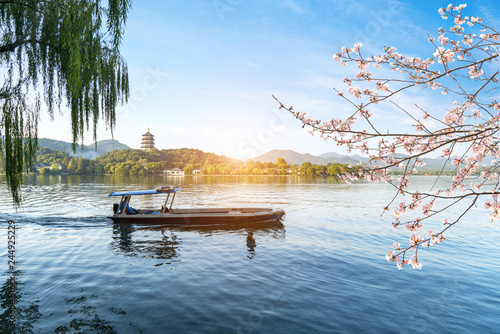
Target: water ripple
(324,271)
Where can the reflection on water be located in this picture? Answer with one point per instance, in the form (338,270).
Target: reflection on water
(136,241)
(84,318)
(80,273)
(251,244)
(163,242)
(20,313)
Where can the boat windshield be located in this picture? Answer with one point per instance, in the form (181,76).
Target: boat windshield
(159,190)
(124,207)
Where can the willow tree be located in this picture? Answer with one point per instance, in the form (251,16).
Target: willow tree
(57,55)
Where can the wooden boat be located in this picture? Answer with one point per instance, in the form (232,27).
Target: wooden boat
(122,212)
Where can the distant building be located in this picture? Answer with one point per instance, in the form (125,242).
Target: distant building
(148,141)
(59,166)
(40,165)
(173,172)
(196,171)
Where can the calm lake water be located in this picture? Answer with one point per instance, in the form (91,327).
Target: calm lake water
(324,271)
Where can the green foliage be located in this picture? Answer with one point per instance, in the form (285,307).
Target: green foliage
(188,169)
(70,48)
(281,162)
(158,160)
(336,169)
(137,169)
(73,165)
(83,166)
(281,167)
(138,162)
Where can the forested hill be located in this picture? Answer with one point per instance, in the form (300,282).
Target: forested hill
(191,161)
(88,151)
(293,158)
(157,160)
(131,162)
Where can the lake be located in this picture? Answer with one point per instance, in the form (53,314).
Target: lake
(324,271)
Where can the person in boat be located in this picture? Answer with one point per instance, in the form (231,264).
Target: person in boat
(126,207)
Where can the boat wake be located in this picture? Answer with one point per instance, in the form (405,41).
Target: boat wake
(64,222)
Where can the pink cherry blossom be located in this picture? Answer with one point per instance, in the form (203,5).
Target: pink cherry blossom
(464,65)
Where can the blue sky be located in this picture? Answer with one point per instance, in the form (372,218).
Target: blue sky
(202,73)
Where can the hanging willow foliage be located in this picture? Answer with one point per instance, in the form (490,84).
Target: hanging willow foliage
(71,48)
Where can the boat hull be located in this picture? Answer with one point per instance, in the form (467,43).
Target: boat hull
(194,217)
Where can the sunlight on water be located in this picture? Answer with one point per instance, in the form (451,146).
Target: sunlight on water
(323,271)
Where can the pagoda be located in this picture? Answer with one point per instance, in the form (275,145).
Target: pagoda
(148,141)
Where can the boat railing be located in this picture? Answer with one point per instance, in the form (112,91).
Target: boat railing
(166,206)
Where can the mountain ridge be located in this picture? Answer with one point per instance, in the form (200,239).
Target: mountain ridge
(295,158)
(88,151)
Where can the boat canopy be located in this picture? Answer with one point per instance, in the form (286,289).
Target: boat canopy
(160,190)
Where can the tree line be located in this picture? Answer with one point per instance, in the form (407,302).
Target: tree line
(191,161)
(281,167)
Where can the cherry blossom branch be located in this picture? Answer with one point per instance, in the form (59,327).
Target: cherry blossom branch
(460,66)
